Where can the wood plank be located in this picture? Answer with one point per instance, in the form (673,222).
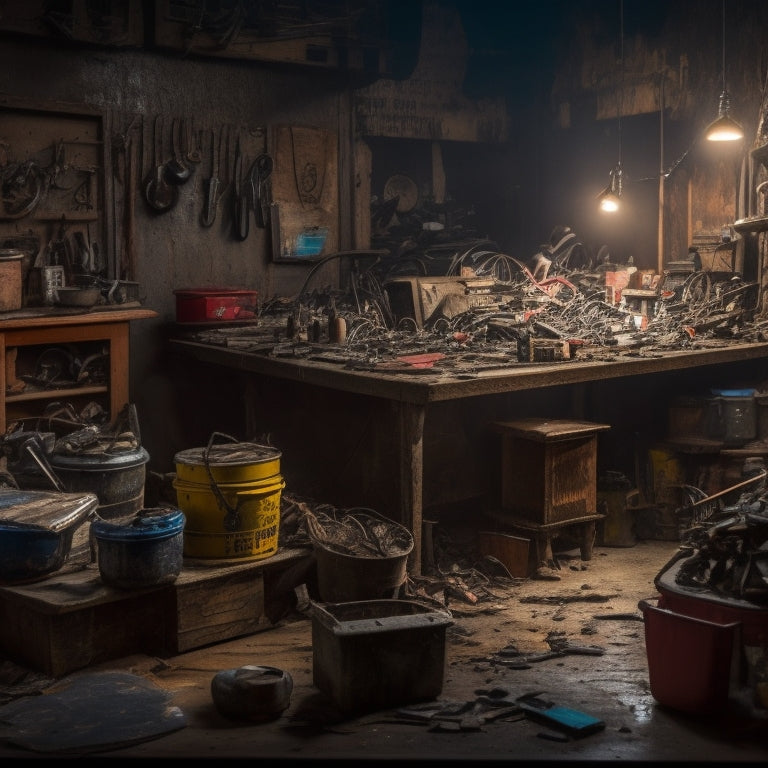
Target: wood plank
(71,620)
(218,609)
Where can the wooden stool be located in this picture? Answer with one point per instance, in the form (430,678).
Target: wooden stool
(549,480)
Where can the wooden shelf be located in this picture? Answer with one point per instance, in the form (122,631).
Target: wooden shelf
(48,394)
(50,327)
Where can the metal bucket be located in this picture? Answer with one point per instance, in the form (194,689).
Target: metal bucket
(227,462)
(240,520)
(733,416)
(230,494)
(116,479)
(143,551)
(343,577)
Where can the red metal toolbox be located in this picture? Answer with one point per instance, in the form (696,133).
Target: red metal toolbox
(197,305)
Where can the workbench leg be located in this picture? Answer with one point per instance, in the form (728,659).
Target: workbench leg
(411,426)
(587,540)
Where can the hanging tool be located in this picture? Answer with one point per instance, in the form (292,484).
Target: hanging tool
(212,193)
(176,170)
(160,195)
(195,146)
(84,255)
(259,174)
(242,198)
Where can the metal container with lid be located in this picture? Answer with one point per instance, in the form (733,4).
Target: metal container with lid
(118,479)
(143,551)
(36,531)
(227,462)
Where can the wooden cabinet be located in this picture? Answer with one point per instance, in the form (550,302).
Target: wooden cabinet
(99,335)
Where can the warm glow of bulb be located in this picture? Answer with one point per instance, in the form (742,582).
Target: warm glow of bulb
(609,204)
(726,134)
(725,128)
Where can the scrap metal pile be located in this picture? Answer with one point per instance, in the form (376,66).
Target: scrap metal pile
(727,546)
(486,309)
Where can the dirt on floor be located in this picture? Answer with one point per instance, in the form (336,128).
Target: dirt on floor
(573,637)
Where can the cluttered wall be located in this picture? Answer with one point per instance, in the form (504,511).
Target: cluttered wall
(184,150)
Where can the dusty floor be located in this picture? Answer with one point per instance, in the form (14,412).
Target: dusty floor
(592,605)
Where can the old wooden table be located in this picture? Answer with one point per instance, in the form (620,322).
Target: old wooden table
(411,395)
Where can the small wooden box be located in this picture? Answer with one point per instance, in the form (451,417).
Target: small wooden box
(549,469)
(513,552)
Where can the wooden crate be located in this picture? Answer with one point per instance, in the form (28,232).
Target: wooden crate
(72,620)
(549,469)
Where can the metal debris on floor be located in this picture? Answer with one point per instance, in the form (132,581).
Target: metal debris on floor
(496,705)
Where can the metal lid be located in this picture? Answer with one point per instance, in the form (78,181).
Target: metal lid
(11,254)
(155,523)
(100,460)
(44,510)
(230,454)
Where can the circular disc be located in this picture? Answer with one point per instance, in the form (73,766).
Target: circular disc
(403,187)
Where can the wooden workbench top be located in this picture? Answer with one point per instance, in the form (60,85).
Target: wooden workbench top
(41,316)
(420,387)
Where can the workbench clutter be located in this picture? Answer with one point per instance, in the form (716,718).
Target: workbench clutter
(95,459)
(230,493)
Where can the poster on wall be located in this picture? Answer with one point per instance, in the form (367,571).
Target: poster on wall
(304,216)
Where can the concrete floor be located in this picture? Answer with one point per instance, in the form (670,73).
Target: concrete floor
(591,604)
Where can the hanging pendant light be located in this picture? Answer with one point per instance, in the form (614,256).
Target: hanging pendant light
(724,127)
(609,199)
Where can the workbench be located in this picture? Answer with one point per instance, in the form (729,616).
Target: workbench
(412,395)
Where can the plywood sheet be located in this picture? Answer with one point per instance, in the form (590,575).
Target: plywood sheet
(304,189)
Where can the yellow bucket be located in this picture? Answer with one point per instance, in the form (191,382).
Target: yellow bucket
(227,462)
(231,520)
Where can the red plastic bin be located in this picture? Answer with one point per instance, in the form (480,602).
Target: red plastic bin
(692,663)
